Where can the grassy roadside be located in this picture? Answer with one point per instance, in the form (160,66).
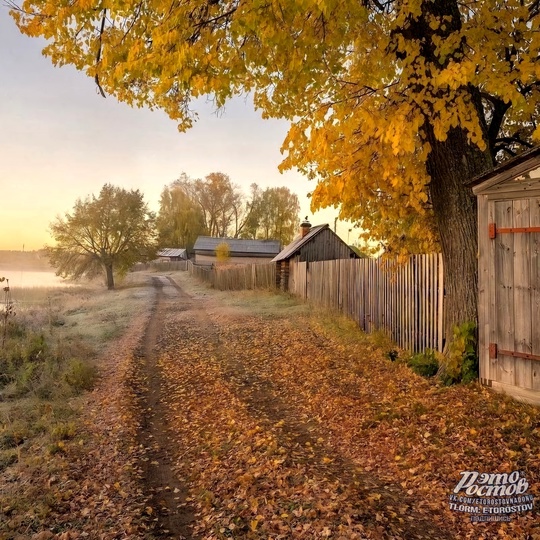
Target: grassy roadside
(397,428)
(50,360)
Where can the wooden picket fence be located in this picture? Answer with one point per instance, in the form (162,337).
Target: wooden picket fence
(204,273)
(161,266)
(237,277)
(404,300)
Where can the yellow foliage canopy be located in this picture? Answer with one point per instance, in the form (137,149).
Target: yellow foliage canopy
(366,85)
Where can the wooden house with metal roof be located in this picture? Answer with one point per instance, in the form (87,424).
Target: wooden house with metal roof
(172,254)
(317,243)
(509,276)
(241,251)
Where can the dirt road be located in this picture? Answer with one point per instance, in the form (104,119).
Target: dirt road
(235,436)
(246,416)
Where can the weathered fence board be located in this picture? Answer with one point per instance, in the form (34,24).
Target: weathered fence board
(522,296)
(204,273)
(298,280)
(404,300)
(535,289)
(239,277)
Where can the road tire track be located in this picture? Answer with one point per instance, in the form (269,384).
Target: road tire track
(173,518)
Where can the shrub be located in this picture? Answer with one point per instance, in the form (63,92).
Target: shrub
(35,348)
(80,375)
(32,363)
(461,362)
(63,431)
(425,364)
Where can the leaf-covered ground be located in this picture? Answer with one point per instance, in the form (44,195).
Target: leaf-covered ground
(299,427)
(236,416)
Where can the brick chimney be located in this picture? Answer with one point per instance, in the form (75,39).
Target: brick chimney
(305,227)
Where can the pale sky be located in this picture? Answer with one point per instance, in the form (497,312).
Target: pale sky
(60,140)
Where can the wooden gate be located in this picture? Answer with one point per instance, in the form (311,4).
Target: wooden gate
(509,277)
(514,345)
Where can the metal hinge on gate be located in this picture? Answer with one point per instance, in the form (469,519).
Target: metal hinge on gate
(494,230)
(494,352)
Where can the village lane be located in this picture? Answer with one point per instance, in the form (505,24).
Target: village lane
(237,443)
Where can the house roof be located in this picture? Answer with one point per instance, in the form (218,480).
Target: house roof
(172,252)
(505,167)
(238,245)
(295,245)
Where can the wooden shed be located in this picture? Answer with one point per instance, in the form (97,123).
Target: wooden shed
(172,254)
(317,243)
(509,276)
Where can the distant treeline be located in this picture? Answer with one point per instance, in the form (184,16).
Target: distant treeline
(24,260)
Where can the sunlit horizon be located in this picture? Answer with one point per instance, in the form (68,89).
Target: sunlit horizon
(61,141)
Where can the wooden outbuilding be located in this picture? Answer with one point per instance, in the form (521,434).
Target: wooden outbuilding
(509,276)
(317,243)
(241,251)
(172,254)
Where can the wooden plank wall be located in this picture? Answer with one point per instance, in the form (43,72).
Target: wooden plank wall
(513,317)
(522,294)
(504,294)
(239,277)
(535,290)
(324,246)
(298,279)
(404,300)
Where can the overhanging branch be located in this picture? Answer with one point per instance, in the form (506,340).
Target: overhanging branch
(100,47)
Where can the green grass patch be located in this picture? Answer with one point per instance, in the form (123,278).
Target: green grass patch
(49,359)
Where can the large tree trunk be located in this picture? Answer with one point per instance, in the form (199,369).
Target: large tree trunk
(110,276)
(450,164)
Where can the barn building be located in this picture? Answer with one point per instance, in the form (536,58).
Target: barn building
(172,254)
(317,243)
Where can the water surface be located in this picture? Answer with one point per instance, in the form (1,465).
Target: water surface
(19,279)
